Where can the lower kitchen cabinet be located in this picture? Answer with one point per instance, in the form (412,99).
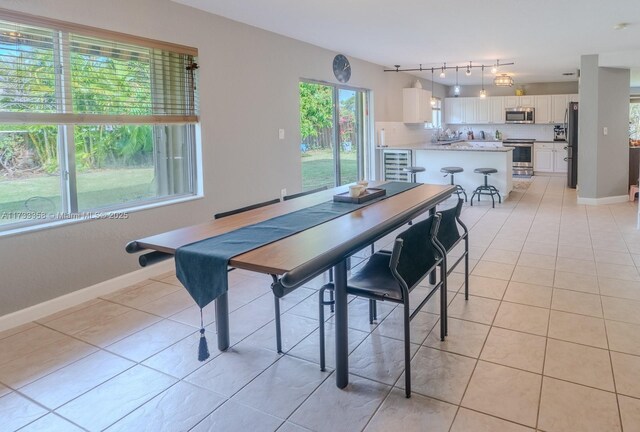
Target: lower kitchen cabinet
(560,163)
(550,157)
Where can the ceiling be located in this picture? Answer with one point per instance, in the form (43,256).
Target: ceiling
(544,38)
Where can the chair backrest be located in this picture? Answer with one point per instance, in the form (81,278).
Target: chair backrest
(309,192)
(448,233)
(415,253)
(244,209)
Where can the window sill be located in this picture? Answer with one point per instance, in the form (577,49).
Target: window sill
(96,215)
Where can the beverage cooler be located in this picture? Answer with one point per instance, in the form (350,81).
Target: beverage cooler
(393,162)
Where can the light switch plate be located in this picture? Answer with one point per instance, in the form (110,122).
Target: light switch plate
(605,131)
(281,134)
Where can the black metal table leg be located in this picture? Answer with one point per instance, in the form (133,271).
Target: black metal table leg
(342,323)
(432,276)
(222,321)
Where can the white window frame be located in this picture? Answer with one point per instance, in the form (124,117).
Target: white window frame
(66,147)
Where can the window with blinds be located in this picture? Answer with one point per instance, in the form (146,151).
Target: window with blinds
(91,121)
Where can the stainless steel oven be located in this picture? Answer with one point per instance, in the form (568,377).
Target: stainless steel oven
(522,155)
(523,115)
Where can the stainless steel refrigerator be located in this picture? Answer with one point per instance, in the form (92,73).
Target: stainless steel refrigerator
(572,144)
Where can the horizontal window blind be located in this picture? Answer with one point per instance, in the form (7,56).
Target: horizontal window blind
(27,69)
(50,75)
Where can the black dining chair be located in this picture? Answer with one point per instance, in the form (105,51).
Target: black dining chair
(449,237)
(301,194)
(391,276)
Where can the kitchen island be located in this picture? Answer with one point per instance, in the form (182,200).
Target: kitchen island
(467,155)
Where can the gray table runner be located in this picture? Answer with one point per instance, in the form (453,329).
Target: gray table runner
(202,266)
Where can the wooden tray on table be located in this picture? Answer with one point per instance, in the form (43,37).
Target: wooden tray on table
(368,195)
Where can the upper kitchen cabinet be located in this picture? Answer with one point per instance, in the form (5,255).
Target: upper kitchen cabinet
(475,110)
(518,101)
(416,105)
(490,110)
(469,109)
(496,110)
(482,110)
(542,105)
(461,110)
(559,105)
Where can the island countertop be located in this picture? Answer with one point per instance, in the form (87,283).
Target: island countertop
(453,146)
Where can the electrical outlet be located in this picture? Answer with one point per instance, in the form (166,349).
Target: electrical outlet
(281,134)
(283,193)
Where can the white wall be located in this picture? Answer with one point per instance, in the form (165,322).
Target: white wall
(603,161)
(248,90)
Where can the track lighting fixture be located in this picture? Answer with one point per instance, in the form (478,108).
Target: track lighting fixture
(433,99)
(456,89)
(483,92)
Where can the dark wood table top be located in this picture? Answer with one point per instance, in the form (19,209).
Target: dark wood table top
(292,252)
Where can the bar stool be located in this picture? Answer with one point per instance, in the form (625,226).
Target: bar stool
(413,170)
(486,189)
(451,171)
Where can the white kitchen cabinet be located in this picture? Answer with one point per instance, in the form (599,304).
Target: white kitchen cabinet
(542,104)
(511,101)
(550,157)
(560,164)
(475,110)
(460,110)
(519,101)
(469,110)
(543,155)
(416,105)
(483,111)
(453,111)
(559,105)
(496,110)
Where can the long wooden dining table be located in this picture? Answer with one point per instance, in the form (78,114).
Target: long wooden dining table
(297,259)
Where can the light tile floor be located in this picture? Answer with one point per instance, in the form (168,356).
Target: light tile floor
(548,341)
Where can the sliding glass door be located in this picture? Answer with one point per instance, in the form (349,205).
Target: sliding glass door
(333,125)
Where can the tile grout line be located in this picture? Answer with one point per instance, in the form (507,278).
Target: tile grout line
(477,359)
(606,334)
(546,339)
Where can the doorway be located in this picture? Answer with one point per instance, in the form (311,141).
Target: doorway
(334,129)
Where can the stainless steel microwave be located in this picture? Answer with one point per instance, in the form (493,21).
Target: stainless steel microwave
(519,115)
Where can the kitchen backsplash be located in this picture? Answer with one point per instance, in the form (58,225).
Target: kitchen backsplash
(398,133)
(537,132)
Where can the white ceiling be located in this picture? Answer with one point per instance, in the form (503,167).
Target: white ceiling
(544,38)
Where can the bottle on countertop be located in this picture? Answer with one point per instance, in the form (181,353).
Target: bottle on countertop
(498,135)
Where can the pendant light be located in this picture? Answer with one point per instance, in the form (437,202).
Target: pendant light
(503,80)
(433,99)
(494,69)
(456,89)
(468,72)
(442,74)
(483,92)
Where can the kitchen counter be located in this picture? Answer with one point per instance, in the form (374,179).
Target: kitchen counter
(460,145)
(482,154)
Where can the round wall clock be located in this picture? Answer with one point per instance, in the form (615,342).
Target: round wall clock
(341,68)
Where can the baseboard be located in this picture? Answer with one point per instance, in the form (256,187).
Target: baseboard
(58,304)
(604,200)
